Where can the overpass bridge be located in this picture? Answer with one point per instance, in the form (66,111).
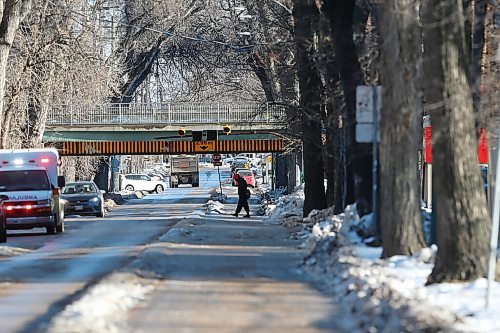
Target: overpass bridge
(152,121)
(153,128)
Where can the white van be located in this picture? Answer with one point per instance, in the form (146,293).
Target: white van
(29,187)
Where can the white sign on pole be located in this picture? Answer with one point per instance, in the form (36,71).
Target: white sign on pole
(366,98)
(365,103)
(364,133)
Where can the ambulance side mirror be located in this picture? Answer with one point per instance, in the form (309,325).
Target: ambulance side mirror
(61,181)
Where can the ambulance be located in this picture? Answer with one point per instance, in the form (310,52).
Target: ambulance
(30,190)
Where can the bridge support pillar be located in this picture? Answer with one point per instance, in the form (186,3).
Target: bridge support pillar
(281,172)
(292,171)
(101,177)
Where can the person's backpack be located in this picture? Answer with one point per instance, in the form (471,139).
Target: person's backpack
(249,194)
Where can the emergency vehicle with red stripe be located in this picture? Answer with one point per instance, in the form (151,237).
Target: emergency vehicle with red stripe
(30,190)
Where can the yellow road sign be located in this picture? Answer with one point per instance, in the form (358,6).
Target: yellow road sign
(204,146)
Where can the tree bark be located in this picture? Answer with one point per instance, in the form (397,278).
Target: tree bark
(12,13)
(478,40)
(138,68)
(401,226)
(260,70)
(341,14)
(463,226)
(334,105)
(310,100)
(331,155)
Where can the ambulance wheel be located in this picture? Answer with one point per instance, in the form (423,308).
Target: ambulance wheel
(60,228)
(3,232)
(51,230)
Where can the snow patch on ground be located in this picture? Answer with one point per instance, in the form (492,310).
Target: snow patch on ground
(214,207)
(286,210)
(8,251)
(103,308)
(383,295)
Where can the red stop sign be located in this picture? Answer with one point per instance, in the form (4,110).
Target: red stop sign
(216,157)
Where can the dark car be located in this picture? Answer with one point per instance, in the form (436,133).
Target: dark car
(83,198)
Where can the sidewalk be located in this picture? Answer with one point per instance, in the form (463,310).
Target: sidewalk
(226,274)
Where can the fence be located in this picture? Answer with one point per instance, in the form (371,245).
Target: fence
(165,113)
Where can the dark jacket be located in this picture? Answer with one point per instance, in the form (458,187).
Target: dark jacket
(242,188)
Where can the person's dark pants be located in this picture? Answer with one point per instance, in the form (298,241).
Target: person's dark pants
(242,203)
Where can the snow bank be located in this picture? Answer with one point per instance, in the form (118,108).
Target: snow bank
(286,210)
(383,295)
(103,308)
(214,207)
(217,196)
(8,251)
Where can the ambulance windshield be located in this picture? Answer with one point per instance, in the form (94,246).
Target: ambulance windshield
(24,180)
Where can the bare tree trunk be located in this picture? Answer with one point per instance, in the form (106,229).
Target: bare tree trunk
(341,14)
(463,226)
(478,39)
(12,12)
(333,100)
(260,70)
(332,166)
(401,226)
(310,100)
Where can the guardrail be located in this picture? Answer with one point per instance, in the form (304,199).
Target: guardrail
(165,113)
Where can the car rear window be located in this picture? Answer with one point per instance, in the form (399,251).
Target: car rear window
(78,188)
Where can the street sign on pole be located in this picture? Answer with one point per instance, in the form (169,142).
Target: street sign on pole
(494,229)
(365,133)
(220,182)
(216,157)
(368,105)
(368,99)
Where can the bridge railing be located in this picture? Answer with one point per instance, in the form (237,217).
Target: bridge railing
(165,113)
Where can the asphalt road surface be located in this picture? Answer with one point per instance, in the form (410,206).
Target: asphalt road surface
(220,274)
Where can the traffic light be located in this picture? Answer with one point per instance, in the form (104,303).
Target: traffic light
(226,129)
(181,131)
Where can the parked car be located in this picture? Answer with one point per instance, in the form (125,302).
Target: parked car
(239,165)
(141,182)
(257,171)
(247,174)
(228,160)
(83,198)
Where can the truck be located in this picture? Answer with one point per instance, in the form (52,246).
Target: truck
(184,169)
(30,190)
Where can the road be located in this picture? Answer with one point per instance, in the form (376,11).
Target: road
(228,274)
(60,265)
